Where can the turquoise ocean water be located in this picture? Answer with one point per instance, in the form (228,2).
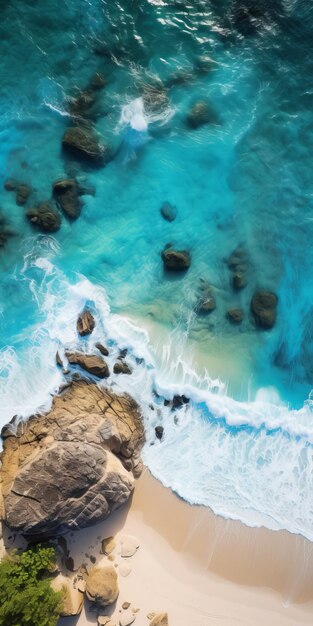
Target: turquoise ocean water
(243,444)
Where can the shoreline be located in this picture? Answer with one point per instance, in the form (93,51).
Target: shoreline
(200,568)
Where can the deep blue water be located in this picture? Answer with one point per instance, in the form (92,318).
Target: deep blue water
(243,180)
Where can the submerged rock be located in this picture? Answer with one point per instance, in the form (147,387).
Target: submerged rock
(235,316)
(206,302)
(176,260)
(85,323)
(97,81)
(22,194)
(201,113)
(93,364)
(102,586)
(168,211)
(84,143)
(45,217)
(239,281)
(66,194)
(10,184)
(65,470)
(263,308)
(237,263)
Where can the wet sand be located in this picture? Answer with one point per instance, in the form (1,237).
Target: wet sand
(201,569)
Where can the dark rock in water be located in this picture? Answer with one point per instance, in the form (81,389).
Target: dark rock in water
(85,323)
(90,363)
(203,64)
(66,470)
(179,401)
(66,194)
(248,16)
(263,308)
(166,402)
(206,302)
(155,98)
(45,217)
(239,281)
(176,260)
(206,305)
(235,316)
(237,263)
(159,431)
(102,349)
(97,82)
(22,194)
(81,105)
(10,184)
(120,367)
(84,143)
(201,113)
(168,211)
(237,259)
(123,353)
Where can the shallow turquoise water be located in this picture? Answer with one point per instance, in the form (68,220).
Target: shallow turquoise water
(244,181)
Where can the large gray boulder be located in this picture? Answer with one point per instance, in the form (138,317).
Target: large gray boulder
(72,467)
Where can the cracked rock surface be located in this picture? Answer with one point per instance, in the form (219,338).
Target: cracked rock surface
(73,466)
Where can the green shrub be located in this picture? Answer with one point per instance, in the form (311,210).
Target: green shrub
(26,597)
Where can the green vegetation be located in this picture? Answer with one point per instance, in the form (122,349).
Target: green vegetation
(26,597)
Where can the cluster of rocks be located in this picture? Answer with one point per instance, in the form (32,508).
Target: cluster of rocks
(46,215)
(81,139)
(100,582)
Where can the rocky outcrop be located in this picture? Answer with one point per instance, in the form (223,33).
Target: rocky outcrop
(102,586)
(85,323)
(176,260)
(83,142)
(263,308)
(66,194)
(91,363)
(72,467)
(44,217)
(168,211)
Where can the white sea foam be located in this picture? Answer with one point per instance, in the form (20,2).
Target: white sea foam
(250,461)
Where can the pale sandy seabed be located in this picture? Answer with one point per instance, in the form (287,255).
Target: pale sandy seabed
(201,569)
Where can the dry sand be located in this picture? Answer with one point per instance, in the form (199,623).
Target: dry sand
(201,569)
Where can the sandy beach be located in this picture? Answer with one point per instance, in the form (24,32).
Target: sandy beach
(200,569)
